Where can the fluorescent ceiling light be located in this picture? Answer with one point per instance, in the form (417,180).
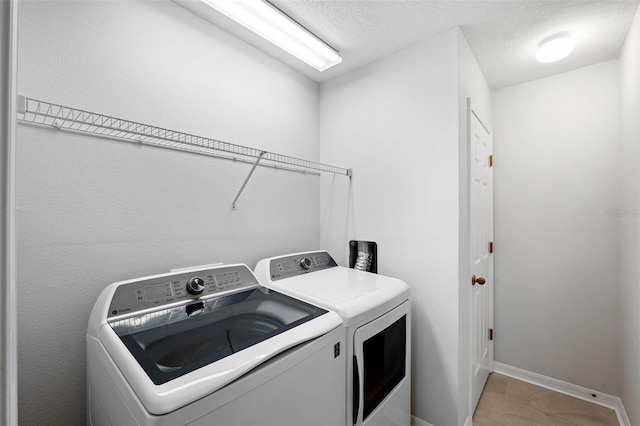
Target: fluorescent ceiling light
(270,23)
(554,48)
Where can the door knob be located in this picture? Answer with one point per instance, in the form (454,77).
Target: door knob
(477,280)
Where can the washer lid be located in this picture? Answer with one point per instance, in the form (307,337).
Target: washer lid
(351,293)
(176,341)
(189,348)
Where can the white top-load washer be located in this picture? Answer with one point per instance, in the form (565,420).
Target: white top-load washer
(377,315)
(210,346)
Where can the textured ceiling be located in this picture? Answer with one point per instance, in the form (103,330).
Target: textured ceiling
(503,35)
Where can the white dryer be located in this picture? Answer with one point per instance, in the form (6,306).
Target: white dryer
(376,312)
(210,346)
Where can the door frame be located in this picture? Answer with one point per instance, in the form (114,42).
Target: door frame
(8,274)
(466,287)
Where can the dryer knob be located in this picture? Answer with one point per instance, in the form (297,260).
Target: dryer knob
(305,262)
(195,285)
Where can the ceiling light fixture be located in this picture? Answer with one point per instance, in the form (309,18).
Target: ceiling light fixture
(267,21)
(555,47)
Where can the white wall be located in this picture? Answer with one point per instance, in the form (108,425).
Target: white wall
(94,211)
(396,123)
(473,85)
(556,267)
(629,205)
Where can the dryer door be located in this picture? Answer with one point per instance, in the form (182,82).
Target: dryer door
(381,371)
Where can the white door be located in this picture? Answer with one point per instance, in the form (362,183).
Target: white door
(481,236)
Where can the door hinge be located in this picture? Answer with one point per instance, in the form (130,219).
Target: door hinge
(491,334)
(491,160)
(491,247)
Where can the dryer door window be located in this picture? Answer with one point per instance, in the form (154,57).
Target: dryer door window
(380,364)
(384,365)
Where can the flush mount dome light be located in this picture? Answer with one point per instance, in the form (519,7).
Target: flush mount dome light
(270,23)
(555,47)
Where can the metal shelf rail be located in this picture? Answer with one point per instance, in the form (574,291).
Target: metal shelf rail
(33,111)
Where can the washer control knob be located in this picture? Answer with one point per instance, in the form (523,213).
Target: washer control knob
(195,285)
(305,262)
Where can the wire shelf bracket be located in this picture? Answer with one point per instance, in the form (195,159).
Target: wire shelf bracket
(37,112)
(233,205)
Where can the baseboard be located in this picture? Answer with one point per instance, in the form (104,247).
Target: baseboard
(595,397)
(419,422)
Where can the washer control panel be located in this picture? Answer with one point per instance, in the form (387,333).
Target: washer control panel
(153,292)
(291,266)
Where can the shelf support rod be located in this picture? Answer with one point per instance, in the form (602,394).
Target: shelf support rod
(262,153)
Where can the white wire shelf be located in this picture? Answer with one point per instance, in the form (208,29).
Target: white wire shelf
(62,117)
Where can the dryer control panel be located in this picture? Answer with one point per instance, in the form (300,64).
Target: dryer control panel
(168,289)
(298,264)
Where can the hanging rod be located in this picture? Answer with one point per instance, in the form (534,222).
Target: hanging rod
(62,117)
